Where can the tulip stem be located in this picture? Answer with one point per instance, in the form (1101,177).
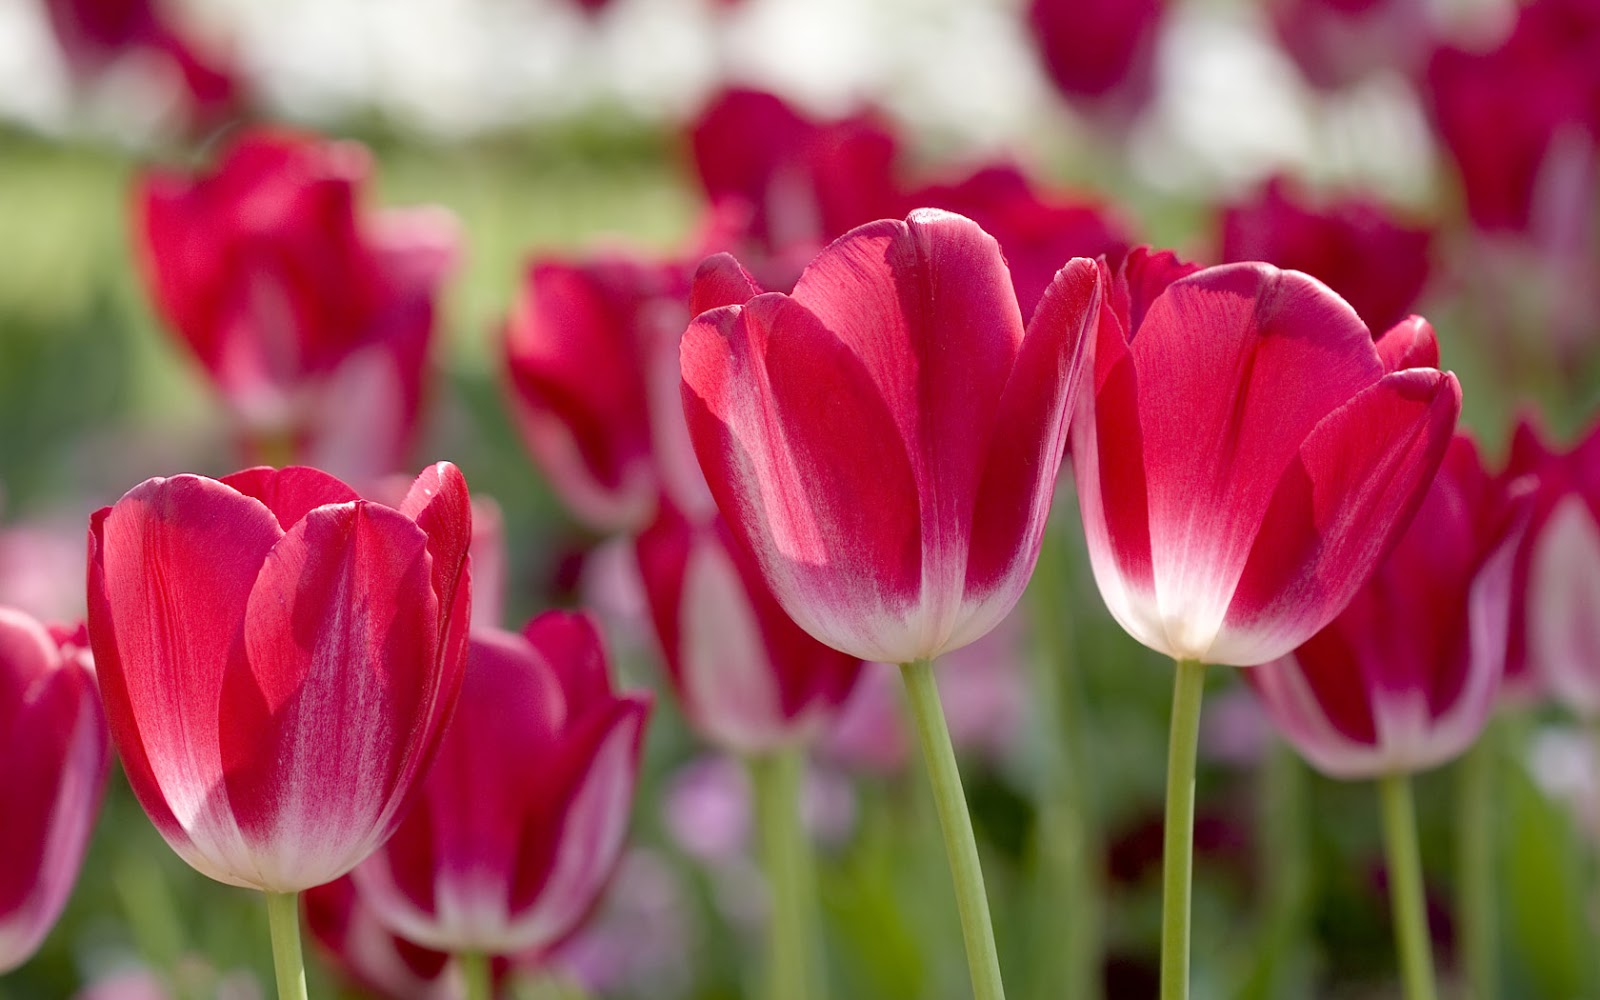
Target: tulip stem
(1405,886)
(1480,944)
(1177,865)
(790,871)
(475,975)
(977,928)
(283,917)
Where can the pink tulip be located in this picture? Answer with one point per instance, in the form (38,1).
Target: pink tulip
(749,679)
(53,742)
(522,818)
(885,440)
(279,658)
(1099,51)
(312,316)
(1338,43)
(1246,454)
(1404,678)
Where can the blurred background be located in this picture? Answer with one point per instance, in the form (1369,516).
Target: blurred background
(1430,156)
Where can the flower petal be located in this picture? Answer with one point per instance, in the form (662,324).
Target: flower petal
(1563,623)
(719,281)
(1410,343)
(290,493)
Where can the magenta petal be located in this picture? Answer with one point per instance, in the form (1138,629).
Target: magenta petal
(290,493)
(178,559)
(721,281)
(570,643)
(1358,479)
(1563,613)
(342,635)
(1410,343)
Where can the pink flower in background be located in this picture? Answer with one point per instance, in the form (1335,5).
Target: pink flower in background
(886,439)
(641,941)
(1405,677)
(523,816)
(1337,43)
(803,181)
(1246,453)
(1037,231)
(312,316)
(53,742)
(1374,261)
(1099,53)
(279,658)
(1554,638)
(749,679)
(591,357)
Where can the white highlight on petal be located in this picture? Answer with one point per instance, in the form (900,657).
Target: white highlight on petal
(1564,605)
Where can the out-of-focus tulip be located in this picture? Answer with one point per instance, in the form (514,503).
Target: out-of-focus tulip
(1375,262)
(53,742)
(749,679)
(803,181)
(1554,639)
(886,439)
(1337,43)
(1099,51)
(95,34)
(1037,232)
(1404,678)
(279,658)
(1522,120)
(641,942)
(1246,454)
(522,818)
(591,356)
(312,317)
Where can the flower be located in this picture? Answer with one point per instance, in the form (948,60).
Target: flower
(312,317)
(1246,454)
(520,822)
(749,678)
(1338,43)
(279,658)
(368,955)
(1404,678)
(53,741)
(885,440)
(1375,262)
(1099,51)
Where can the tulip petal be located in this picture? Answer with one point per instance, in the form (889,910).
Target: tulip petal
(290,493)
(1410,343)
(342,636)
(570,643)
(1336,511)
(1563,614)
(807,465)
(719,281)
(177,560)
(1234,350)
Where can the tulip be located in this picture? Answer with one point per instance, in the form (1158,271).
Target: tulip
(53,742)
(591,358)
(1339,43)
(1375,262)
(312,317)
(1099,52)
(1245,455)
(279,658)
(885,441)
(520,822)
(1405,677)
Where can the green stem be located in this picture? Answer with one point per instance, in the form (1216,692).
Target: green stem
(1475,823)
(790,870)
(1177,864)
(283,916)
(1405,886)
(476,975)
(1278,966)
(977,929)
(1066,842)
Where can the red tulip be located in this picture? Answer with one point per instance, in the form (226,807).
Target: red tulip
(53,742)
(279,658)
(1103,51)
(591,352)
(1404,678)
(1522,120)
(1376,263)
(522,818)
(1554,638)
(312,317)
(886,439)
(1337,43)
(749,679)
(803,181)
(1036,231)
(1246,453)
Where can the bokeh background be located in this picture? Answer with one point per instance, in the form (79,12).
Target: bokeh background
(556,128)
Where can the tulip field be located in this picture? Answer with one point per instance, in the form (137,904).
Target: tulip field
(800,500)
